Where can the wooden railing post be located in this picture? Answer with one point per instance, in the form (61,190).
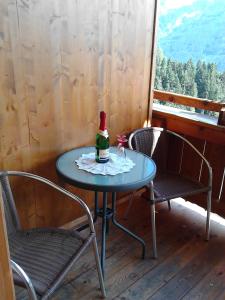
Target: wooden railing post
(6,281)
(221,119)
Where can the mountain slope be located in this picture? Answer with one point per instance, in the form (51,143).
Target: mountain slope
(196,31)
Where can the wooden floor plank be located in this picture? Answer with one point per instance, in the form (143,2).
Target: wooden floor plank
(113,244)
(123,271)
(156,278)
(136,268)
(211,286)
(167,244)
(187,267)
(192,273)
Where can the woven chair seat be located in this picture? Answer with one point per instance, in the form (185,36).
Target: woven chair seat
(173,185)
(43,253)
(169,186)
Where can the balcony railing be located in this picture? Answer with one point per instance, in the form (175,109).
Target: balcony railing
(201,126)
(202,104)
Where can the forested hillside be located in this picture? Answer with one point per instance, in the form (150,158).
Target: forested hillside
(201,80)
(193,29)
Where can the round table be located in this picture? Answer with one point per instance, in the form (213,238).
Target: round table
(140,175)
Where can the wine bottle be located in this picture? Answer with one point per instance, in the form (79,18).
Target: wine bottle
(102,141)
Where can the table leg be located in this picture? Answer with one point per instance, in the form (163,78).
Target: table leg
(124,228)
(96,208)
(103,231)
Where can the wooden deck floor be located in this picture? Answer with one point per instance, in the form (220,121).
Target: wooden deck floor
(187,267)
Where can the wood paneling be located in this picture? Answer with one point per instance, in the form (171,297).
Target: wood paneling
(6,283)
(61,63)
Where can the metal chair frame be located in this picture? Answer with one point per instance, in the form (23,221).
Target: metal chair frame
(152,196)
(90,239)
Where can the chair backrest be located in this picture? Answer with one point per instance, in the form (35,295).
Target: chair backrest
(11,215)
(153,142)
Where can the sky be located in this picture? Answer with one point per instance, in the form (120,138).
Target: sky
(166,5)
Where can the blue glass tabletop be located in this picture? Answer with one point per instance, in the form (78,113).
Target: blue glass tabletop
(141,174)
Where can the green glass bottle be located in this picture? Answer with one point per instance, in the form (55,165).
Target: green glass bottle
(102,141)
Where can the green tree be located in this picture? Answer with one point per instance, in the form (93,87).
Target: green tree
(213,82)
(201,80)
(190,86)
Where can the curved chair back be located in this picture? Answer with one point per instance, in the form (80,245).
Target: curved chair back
(11,215)
(152,142)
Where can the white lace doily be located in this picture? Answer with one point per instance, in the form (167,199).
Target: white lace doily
(116,164)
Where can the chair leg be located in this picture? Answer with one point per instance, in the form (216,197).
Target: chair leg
(129,205)
(209,197)
(153,231)
(152,199)
(97,260)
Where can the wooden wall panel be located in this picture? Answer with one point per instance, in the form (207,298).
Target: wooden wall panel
(6,281)
(192,165)
(216,156)
(61,63)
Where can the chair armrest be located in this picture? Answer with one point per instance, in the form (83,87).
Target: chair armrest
(58,188)
(198,153)
(21,273)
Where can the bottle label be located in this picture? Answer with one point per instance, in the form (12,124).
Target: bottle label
(104,154)
(103,133)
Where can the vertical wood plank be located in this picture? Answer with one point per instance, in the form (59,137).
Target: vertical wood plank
(6,282)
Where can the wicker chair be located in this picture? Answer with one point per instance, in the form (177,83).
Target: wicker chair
(168,184)
(42,257)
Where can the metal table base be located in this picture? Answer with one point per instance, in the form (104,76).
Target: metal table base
(107,213)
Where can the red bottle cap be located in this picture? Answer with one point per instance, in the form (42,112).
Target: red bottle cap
(102,121)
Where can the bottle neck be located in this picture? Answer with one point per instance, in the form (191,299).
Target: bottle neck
(102,126)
